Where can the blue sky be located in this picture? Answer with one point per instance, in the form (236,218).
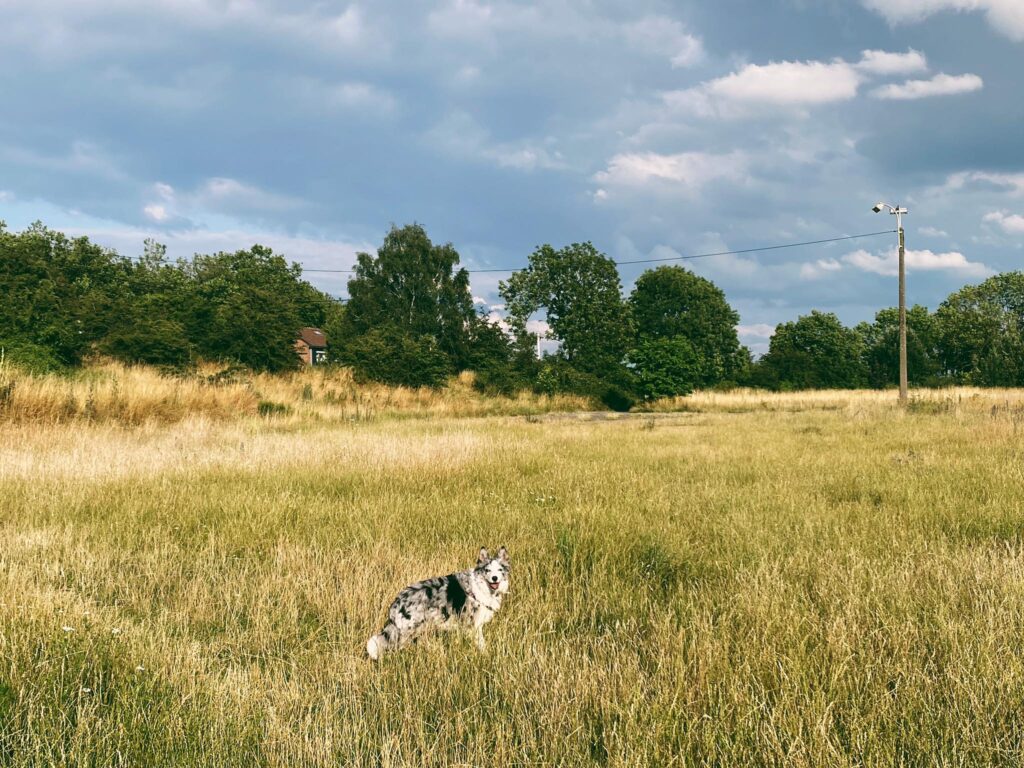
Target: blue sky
(653,129)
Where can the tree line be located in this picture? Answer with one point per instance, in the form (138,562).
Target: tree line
(410,320)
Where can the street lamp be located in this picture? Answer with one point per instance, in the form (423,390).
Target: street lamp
(898,212)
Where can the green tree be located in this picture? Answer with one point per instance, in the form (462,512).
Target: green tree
(667,367)
(815,351)
(672,302)
(392,356)
(980,330)
(58,293)
(412,287)
(248,306)
(579,288)
(881,347)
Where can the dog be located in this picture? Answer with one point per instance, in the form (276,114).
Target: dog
(465,600)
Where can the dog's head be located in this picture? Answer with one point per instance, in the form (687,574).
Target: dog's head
(494,570)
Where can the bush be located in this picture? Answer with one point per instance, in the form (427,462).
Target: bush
(665,367)
(153,341)
(29,357)
(617,399)
(392,357)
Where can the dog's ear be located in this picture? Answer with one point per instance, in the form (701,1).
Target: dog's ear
(503,556)
(483,557)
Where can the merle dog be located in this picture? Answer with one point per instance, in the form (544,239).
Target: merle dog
(467,600)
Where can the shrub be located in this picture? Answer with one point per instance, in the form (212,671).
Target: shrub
(29,357)
(665,367)
(390,356)
(153,341)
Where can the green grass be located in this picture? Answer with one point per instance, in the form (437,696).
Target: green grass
(829,587)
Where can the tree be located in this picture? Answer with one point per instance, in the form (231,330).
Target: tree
(412,288)
(881,347)
(58,293)
(248,306)
(980,332)
(667,367)
(815,351)
(580,290)
(391,356)
(672,302)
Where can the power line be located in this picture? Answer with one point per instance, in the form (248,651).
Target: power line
(677,258)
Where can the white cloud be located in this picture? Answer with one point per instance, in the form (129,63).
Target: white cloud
(923,261)
(156,212)
(819,268)
(886,63)
(786,84)
(5,196)
(689,171)
(663,36)
(933,232)
(1012,183)
(940,85)
(756,330)
(460,135)
(1011,224)
(1006,16)
(216,195)
(223,193)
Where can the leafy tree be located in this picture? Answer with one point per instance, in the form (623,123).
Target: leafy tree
(815,351)
(58,293)
(412,287)
(666,367)
(672,302)
(882,352)
(580,290)
(393,356)
(248,306)
(980,330)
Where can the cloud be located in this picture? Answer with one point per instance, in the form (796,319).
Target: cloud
(218,195)
(688,171)
(156,212)
(459,135)
(940,85)
(1005,16)
(923,261)
(665,37)
(933,232)
(886,63)
(819,268)
(1011,224)
(1013,183)
(756,330)
(777,84)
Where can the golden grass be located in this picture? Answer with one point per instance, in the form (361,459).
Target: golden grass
(111,392)
(788,585)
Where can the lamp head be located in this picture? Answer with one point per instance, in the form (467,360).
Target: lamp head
(878,207)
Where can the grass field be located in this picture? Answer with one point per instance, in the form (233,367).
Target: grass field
(805,580)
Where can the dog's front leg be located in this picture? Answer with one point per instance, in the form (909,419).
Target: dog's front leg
(479,637)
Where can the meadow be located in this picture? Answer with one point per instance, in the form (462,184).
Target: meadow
(814,579)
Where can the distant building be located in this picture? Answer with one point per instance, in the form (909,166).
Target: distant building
(312,346)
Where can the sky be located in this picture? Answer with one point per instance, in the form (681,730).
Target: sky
(652,129)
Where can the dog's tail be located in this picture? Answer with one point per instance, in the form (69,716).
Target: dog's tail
(375,646)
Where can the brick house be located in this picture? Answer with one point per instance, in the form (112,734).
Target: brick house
(312,346)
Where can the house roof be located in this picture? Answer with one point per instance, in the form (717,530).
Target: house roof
(314,337)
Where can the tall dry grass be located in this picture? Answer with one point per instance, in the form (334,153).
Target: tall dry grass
(762,586)
(133,395)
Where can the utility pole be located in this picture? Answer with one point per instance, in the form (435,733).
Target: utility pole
(898,212)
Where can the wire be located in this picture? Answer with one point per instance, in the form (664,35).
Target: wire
(678,258)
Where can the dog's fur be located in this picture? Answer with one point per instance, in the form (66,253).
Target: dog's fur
(465,600)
